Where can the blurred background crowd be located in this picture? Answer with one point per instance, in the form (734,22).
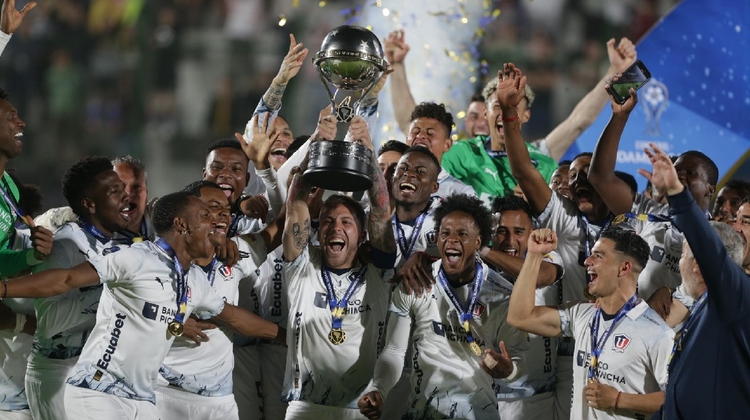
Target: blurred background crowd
(162,79)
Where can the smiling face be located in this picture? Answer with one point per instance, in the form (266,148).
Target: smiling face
(429,133)
(495,120)
(742,226)
(512,234)
(218,205)
(107,203)
(603,266)
(227,167)
(339,237)
(137,191)
(458,242)
(279,147)
(415,180)
(727,202)
(11,130)
(476,120)
(559,181)
(200,229)
(581,191)
(694,177)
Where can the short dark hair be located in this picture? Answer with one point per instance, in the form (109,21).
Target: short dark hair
(564,162)
(629,243)
(628,179)
(231,143)
(712,171)
(392,145)
(477,97)
(195,187)
(296,144)
(425,151)
(80,178)
(354,207)
(4,95)
(436,112)
(134,163)
(743,185)
(470,205)
(511,203)
(582,154)
(169,207)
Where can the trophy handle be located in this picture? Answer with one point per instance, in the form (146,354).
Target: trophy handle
(346,113)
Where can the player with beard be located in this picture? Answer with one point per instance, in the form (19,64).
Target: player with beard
(64,322)
(339,303)
(149,290)
(452,324)
(697,172)
(577,222)
(622,345)
(196,375)
(531,396)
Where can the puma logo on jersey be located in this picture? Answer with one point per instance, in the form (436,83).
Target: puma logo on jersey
(161,282)
(493,173)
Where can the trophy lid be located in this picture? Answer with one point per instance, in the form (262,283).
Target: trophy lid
(350,57)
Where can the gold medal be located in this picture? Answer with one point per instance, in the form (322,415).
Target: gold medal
(619,220)
(175,328)
(337,336)
(591,380)
(588,294)
(475,348)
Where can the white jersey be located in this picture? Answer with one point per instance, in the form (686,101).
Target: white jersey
(450,185)
(64,322)
(207,369)
(447,380)
(317,371)
(540,360)
(665,242)
(130,339)
(633,360)
(426,240)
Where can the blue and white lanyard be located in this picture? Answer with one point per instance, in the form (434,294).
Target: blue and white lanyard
(598,345)
(407,246)
(464,314)
(338,306)
(181,280)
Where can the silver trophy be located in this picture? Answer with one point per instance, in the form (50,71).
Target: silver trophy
(351,60)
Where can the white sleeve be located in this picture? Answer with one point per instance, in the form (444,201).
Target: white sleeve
(282,176)
(4,39)
(273,191)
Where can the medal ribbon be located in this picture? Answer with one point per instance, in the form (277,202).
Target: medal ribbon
(93,231)
(598,346)
(232,231)
(338,306)
(677,346)
(135,237)
(15,210)
(644,217)
(464,315)
(407,247)
(210,270)
(181,281)
(587,241)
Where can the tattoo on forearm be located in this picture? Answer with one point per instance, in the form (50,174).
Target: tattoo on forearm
(301,234)
(273,95)
(300,188)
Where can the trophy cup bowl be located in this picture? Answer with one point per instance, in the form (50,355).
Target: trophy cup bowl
(351,60)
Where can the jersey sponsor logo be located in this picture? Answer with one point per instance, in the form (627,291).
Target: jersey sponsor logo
(278,287)
(321,300)
(381,341)
(110,250)
(547,355)
(583,359)
(657,254)
(352,307)
(457,334)
(620,342)
(225,271)
(673,263)
(478,310)
(418,372)
(150,310)
(114,338)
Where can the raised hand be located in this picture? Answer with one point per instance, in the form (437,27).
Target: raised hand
(511,88)
(542,241)
(292,62)
(664,176)
(359,133)
(497,365)
(625,108)
(257,147)
(622,56)
(396,47)
(326,129)
(10,18)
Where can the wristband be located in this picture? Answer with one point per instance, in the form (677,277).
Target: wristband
(617,400)
(511,119)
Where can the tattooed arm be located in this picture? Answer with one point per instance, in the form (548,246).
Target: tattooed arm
(297,226)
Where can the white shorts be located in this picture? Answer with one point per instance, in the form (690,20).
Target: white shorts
(272,369)
(248,391)
(16,415)
(45,386)
(87,404)
(301,410)
(564,388)
(175,404)
(537,407)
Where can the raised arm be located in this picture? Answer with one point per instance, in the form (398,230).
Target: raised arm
(297,228)
(511,265)
(510,91)
(51,282)
(10,18)
(396,49)
(613,190)
(586,111)
(522,310)
(727,283)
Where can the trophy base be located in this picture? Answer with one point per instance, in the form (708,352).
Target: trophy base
(339,166)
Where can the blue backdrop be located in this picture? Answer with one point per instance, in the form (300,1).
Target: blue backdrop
(699,95)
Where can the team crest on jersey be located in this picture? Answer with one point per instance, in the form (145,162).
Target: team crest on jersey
(225,271)
(620,342)
(478,310)
(110,250)
(190,294)
(431,237)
